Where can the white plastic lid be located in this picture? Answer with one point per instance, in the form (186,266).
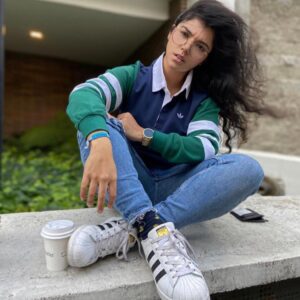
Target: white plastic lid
(58,229)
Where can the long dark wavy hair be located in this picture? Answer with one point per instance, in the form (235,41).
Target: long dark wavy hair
(231,74)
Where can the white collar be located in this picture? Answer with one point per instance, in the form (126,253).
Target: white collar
(159,81)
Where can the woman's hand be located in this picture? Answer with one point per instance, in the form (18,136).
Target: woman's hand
(133,130)
(99,173)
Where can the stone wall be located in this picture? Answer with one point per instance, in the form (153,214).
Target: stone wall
(278,25)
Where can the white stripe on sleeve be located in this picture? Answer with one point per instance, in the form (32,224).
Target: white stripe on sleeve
(203,125)
(209,150)
(83,85)
(117,87)
(210,137)
(102,84)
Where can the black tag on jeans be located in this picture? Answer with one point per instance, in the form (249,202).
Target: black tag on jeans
(247,215)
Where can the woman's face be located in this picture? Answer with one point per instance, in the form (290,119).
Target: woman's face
(189,44)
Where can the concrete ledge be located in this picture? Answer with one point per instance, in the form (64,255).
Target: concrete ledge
(232,255)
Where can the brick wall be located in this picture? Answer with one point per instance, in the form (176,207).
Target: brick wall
(36,88)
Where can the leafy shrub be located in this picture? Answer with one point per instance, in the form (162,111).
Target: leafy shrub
(59,131)
(37,180)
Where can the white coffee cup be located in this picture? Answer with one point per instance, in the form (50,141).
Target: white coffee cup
(56,235)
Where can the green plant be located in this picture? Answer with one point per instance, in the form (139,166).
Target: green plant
(37,180)
(59,131)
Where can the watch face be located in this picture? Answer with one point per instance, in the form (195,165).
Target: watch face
(148,133)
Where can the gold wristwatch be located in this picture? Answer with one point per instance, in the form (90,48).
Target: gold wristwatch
(147,136)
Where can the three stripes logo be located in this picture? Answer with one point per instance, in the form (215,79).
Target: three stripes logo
(161,231)
(154,266)
(180,115)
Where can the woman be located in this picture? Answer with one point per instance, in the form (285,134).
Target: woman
(158,159)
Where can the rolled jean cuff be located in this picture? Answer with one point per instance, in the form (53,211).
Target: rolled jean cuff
(132,219)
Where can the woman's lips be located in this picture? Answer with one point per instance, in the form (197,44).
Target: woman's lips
(179,58)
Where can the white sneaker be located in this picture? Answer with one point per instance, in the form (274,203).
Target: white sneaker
(176,274)
(90,242)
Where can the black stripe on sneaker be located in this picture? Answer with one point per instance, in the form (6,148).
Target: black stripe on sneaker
(150,256)
(160,275)
(155,265)
(101,227)
(108,225)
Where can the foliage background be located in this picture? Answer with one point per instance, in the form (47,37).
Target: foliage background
(41,170)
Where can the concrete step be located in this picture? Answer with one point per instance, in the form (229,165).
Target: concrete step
(232,255)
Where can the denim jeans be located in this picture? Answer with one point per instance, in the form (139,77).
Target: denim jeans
(183,194)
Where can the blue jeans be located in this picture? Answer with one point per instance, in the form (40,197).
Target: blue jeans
(183,194)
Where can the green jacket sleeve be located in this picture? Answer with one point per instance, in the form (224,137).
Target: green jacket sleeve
(89,101)
(200,143)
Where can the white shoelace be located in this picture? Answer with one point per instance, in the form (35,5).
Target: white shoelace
(181,255)
(124,245)
(118,239)
(115,239)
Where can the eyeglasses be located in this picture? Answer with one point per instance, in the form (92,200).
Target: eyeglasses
(180,36)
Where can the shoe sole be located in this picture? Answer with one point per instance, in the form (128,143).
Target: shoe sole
(161,294)
(164,297)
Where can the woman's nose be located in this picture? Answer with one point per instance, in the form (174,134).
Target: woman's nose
(186,47)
